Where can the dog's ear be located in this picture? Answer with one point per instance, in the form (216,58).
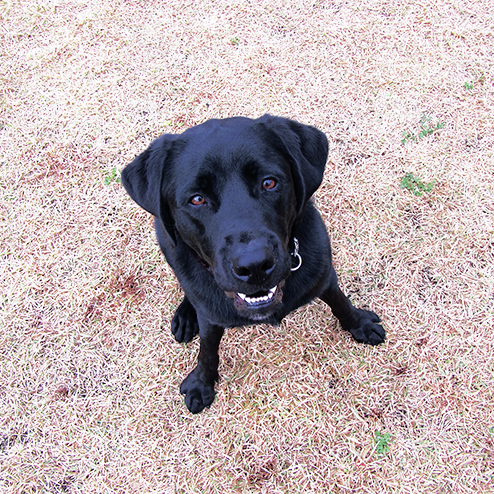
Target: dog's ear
(306,149)
(145,180)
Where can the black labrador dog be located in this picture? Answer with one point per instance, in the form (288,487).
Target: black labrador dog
(234,219)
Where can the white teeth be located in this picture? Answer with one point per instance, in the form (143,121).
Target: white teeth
(257,300)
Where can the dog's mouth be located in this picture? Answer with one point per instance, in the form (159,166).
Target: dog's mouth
(259,304)
(258,299)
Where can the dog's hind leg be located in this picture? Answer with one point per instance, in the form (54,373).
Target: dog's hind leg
(198,386)
(362,324)
(184,322)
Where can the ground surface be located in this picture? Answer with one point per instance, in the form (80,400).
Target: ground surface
(89,373)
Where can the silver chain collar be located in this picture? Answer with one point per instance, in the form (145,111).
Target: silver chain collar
(296,255)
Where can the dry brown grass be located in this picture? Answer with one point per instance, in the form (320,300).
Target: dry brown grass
(89,372)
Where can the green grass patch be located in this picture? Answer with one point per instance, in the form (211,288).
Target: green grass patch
(427,127)
(112,176)
(415,185)
(382,442)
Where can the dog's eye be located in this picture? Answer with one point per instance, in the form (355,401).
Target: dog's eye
(197,200)
(269,183)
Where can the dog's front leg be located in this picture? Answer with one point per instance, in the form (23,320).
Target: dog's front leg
(198,386)
(184,322)
(362,324)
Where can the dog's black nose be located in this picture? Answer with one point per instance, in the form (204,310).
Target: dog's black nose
(253,264)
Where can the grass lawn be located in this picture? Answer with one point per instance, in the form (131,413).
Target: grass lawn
(89,371)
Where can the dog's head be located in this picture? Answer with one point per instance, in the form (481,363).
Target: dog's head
(233,190)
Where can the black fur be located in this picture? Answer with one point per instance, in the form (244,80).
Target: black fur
(229,197)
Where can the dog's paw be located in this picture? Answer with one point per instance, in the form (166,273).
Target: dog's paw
(368,330)
(184,322)
(199,393)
